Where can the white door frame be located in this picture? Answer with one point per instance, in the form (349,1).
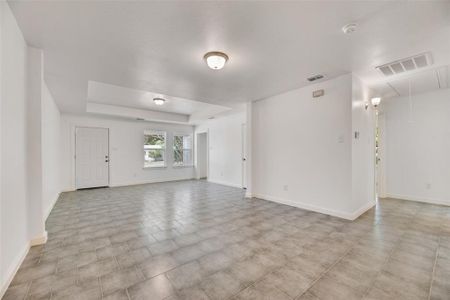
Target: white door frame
(381,167)
(244,155)
(75,153)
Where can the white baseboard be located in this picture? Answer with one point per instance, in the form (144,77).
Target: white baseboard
(334,213)
(12,270)
(248,194)
(40,240)
(361,211)
(148,182)
(225,183)
(419,199)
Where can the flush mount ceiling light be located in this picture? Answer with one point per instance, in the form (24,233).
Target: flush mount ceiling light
(159,101)
(216,60)
(375,101)
(349,28)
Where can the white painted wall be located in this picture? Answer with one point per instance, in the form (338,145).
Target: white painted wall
(363,147)
(126,150)
(14,239)
(303,153)
(51,146)
(35,73)
(225,147)
(202,155)
(302,147)
(418,147)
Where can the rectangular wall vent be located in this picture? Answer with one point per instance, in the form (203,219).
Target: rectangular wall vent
(315,77)
(406,64)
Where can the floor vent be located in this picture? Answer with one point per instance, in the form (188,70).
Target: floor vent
(407,64)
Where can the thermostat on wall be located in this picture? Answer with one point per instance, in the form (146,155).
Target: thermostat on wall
(318,93)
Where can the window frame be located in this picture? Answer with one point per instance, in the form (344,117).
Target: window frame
(191,162)
(163,149)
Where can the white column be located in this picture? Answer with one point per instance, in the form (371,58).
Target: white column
(36,222)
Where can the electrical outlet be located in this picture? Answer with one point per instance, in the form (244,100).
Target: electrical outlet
(285,187)
(428,186)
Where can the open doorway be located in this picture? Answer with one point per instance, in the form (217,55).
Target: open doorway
(380,156)
(202,155)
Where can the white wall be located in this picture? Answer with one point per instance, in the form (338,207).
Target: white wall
(51,146)
(14,238)
(363,147)
(202,155)
(418,147)
(35,73)
(302,147)
(225,147)
(126,150)
(302,151)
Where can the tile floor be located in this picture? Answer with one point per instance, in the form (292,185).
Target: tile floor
(197,240)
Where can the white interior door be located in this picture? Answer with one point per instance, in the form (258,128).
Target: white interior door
(91,157)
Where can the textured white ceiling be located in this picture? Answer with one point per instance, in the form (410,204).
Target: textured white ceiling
(273,46)
(103,93)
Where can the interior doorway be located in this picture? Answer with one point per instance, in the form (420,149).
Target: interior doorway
(91,157)
(202,155)
(380,155)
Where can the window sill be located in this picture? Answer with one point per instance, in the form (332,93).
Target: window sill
(181,167)
(155,167)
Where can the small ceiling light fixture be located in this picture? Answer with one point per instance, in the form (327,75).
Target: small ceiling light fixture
(159,101)
(375,101)
(215,60)
(349,28)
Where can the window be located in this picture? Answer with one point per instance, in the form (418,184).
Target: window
(182,150)
(154,149)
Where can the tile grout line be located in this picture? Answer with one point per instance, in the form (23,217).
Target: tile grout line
(384,263)
(28,290)
(255,282)
(390,255)
(434,268)
(261,279)
(324,272)
(101,288)
(128,294)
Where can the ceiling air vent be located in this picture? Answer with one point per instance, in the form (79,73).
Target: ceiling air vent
(407,64)
(315,77)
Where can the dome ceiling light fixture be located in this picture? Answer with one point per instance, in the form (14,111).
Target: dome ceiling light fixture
(159,101)
(215,59)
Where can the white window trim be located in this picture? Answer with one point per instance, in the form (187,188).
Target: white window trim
(157,132)
(191,164)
